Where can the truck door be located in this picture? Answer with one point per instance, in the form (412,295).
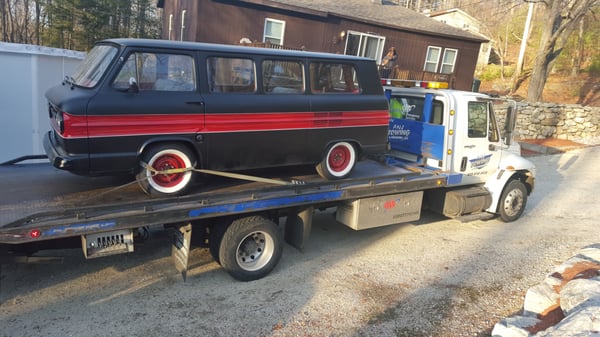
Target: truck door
(478,154)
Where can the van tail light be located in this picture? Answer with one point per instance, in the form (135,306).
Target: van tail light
(57,115)
(60,121)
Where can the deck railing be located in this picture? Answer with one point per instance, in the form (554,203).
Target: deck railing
(416,75)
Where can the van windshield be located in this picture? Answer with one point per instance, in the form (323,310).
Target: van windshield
(90,70)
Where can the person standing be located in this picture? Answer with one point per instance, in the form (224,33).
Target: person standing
(388,62)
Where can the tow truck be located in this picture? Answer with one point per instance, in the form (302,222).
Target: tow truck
(447,153)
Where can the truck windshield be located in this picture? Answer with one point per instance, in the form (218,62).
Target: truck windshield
(91,69)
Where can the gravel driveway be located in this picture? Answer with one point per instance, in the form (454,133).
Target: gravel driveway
(435,277)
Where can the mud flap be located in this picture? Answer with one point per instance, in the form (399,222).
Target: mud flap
(298,226)
(180,251)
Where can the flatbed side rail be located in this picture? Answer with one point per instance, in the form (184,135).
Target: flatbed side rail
(24,158)
(102,218)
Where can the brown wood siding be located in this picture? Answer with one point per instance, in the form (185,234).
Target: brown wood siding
(229,21)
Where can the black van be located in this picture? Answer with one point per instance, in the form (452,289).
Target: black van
(159,108)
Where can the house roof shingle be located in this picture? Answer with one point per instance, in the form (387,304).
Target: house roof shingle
(388,14)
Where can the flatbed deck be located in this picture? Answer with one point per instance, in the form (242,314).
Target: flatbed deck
(58,204)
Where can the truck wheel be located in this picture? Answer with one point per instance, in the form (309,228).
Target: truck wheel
(161,158)
(513,201)
(338,161)
(250,248)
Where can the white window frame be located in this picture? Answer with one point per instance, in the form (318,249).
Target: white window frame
(445,64)
(427,61)
(280,38)
(363,37)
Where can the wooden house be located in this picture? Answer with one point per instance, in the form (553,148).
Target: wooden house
(428,49)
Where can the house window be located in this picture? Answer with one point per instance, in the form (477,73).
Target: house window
(366,45)
(274,31)
(432,59)
(448,61)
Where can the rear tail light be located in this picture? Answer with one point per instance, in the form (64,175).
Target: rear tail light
(57,115)
(60,121)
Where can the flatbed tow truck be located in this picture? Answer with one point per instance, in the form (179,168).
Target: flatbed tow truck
(448,168)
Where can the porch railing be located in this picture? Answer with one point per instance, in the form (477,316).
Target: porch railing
(416,75)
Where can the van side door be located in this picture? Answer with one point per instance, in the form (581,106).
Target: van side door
(151,96)
(256,112)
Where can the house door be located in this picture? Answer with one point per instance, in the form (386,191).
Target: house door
(365,45)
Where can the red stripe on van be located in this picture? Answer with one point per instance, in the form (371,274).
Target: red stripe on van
(295,120)
(130,125)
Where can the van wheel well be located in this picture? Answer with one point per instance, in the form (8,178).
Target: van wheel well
(174,159)
(338,160)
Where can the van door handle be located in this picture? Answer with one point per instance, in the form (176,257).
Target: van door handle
(195,103)
(469,146)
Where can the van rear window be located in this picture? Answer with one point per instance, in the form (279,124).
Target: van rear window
(329,77)
(283,77)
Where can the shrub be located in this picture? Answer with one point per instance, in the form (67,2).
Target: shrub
(493,72)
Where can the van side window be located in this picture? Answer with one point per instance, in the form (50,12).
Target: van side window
(231,75)
(333,78)
(283,77)
(158,72)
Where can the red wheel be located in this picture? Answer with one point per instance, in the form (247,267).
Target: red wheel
(163,158)
(338,162)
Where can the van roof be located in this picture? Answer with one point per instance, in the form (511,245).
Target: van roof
(170,44)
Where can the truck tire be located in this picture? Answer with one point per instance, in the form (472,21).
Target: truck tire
(512,201)
(165,157)
(338,161)
(251,247)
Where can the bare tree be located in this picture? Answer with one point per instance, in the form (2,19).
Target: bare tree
(561,17)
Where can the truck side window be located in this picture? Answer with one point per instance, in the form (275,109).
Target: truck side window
(158,72)
(478,119)
(283,77)
(227,74)
(412,108)
(333,78)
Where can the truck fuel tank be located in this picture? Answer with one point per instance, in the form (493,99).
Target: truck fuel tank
(457,202)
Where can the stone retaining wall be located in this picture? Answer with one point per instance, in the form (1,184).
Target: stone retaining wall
(552,120)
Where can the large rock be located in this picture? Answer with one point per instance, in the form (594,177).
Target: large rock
(565,304)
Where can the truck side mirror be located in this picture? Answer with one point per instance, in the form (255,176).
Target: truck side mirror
(510,122)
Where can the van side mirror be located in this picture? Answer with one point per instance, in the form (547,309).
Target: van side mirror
(133,86)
